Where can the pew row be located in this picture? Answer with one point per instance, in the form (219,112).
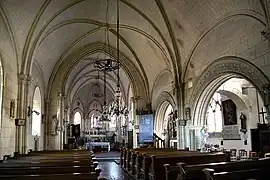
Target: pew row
(66,165)
(155,167)
(196,172)
(250,174)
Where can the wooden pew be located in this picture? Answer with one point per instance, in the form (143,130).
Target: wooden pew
(143,162)
(70,176)
(251,174)
(195,172)
(155,168)
(135,158)
(52,166)
(137,155)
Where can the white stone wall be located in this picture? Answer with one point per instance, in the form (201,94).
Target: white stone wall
(37,80)
(10,90)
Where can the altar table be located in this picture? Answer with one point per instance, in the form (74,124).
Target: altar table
(90,145)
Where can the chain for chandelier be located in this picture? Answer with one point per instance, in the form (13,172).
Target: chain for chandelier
(103,66)
(118,98)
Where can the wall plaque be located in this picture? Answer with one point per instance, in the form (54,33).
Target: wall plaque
(231,133)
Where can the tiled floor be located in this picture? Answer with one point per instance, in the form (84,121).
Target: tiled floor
(112,171)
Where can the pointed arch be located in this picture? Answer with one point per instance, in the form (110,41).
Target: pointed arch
(77,118)
(36,116)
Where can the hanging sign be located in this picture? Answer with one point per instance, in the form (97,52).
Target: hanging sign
(146,128)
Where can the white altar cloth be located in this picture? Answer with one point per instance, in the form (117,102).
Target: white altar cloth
(90,145)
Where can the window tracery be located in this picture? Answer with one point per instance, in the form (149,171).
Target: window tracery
(214,114)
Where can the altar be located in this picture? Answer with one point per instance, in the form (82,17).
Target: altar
(91,145)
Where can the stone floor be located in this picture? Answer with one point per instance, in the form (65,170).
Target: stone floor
(112,171)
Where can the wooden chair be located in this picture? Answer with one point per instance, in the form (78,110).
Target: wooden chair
(233,154)
(253,155)
(267,155)
(243,154)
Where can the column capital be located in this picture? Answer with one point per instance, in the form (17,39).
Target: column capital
(47,100)
(135,98)
(25,77)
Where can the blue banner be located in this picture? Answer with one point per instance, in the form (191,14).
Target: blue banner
(146,128)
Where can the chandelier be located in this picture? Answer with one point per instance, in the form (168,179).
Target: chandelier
(116,108)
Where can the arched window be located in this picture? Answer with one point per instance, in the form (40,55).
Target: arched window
(36,115)
(77,118)
(214,114)
(95,123)
(168,111)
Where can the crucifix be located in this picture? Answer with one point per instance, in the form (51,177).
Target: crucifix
(262,113)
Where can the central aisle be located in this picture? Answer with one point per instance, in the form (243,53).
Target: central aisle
(112,171)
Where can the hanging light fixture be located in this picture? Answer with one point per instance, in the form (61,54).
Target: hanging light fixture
(116,108)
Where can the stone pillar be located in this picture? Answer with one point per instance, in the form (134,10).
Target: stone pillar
(55,123)
(46,125)
(136,121)
(195,137)
(22,113)
(181,130)
(65,125)
(180,136)
(61,121)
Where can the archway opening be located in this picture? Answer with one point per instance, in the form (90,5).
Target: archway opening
(165,126)
(36,140)
(36,116)
(220,111)
(77,118)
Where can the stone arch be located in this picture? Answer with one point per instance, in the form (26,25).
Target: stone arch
(163,96)
(216,74)
(80,115)
(99,104)
(139,83)
(162,103)
(35,133)
(236,96)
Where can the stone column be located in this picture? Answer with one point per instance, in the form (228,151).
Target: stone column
(181,131)
(46,125)
(61,121)
(180,136)
(136,120)
(65,125)
(22,113)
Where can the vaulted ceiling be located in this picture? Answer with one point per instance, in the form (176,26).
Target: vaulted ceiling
(155,35)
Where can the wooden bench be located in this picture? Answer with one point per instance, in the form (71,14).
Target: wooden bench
(155,168)
(135,157)
(70,176)
(137,154)
(143,162)
(125,155)
(250,174)
(67,165)
(195,172)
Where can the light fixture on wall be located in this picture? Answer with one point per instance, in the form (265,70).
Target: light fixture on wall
(12,108)
(30,111)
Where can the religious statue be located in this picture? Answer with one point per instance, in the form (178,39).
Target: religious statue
(54,125)
(266,92)
(243,119)
(204,137)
